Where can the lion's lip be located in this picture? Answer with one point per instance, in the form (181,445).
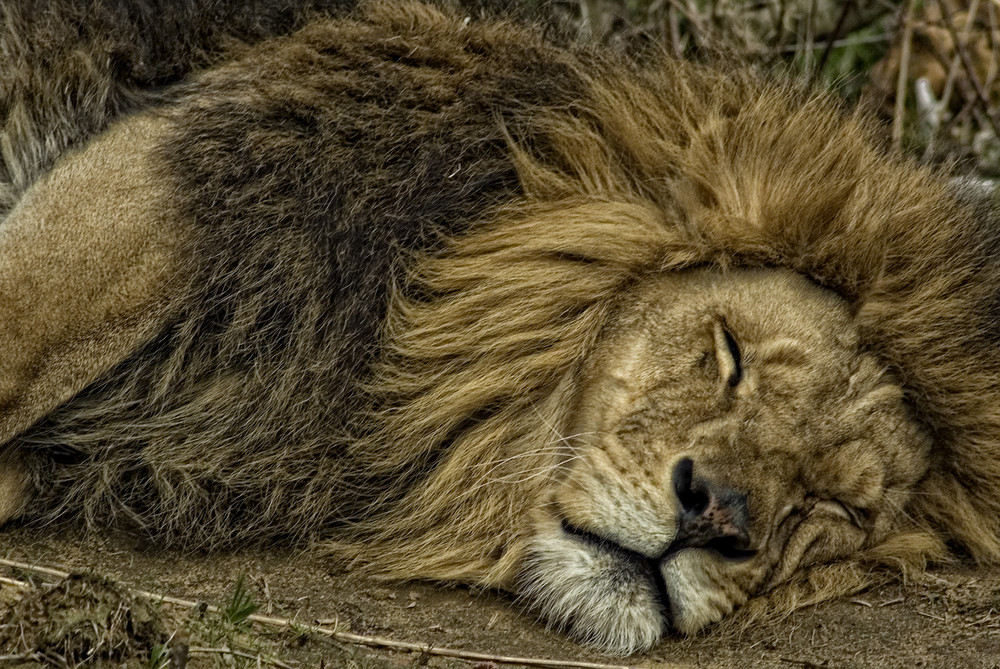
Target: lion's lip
(730,548)
(601,541)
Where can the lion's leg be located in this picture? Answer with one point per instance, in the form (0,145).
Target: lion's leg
(88,260)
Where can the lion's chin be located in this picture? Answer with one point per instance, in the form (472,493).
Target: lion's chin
(604,599)
(615,602)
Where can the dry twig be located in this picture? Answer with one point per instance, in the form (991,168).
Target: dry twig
(844,11)
(949,86)
(904,64)
(14,582)
(274,662)
(898,600)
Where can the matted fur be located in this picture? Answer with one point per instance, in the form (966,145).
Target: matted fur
(411,232)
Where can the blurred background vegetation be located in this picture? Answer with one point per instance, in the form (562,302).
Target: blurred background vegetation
(928,67)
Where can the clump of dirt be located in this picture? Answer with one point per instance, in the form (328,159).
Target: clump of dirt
(81,619)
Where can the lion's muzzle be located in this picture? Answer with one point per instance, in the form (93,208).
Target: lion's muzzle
(711,516)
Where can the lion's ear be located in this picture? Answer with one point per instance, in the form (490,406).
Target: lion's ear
(727,354)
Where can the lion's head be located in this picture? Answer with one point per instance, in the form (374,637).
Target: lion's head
(728,432)
(717,355)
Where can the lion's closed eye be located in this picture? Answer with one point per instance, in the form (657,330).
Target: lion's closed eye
(838,509)
(727,354)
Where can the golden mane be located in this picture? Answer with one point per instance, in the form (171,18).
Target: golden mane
(659,169)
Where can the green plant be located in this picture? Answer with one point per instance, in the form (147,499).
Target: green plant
(159,656)
(241,604)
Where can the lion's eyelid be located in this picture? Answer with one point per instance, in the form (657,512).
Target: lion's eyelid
(727,353)
(838,508)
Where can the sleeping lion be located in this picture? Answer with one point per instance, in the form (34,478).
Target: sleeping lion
(642,343)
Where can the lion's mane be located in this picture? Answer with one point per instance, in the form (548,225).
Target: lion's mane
(413,229)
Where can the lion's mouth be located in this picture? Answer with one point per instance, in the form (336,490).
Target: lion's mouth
(651,568)
(731,548)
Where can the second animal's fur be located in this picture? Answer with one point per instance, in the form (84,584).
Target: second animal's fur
(468,303)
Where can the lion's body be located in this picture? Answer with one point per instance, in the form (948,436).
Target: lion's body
(345,285)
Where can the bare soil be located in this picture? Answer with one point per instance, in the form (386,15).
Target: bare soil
(950,619)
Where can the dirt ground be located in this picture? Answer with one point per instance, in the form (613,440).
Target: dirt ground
(952,619)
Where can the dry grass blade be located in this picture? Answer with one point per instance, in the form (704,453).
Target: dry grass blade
(238,653)
(356,639)
(904,63)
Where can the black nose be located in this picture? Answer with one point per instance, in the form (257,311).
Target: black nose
(711,516)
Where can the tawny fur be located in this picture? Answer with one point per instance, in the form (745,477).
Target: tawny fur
(411,231)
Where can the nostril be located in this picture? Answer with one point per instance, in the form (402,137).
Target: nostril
(711,516)
(690,493)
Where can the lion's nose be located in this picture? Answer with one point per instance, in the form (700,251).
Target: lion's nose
(711,516)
